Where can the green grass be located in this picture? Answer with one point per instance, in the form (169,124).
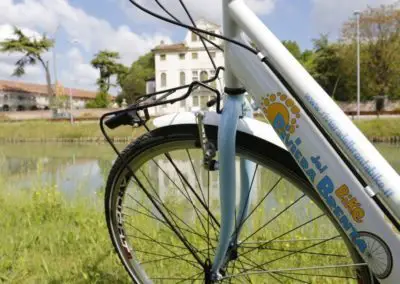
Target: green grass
(50,239)
(46,239)
(62,130)
(380,127)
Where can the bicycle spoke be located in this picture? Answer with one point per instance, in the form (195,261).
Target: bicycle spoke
(188,229)
(321,275)
(292,278)
(191,188)
(237,228)
(196,176)
(163,205)
(192,277)
(176,257)
(178,234)
(284,270)
(262,200)
(187,195)
(154,241)
(282,235)
(298,251)
(304,252)
(162,245)
(275,217)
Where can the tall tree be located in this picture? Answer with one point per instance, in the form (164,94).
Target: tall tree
(134,83)
(106,62)
(293,47)
(326,66)
(32,50)
(380,45)
(305,58)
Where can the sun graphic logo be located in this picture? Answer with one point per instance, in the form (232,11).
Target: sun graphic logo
(281,111)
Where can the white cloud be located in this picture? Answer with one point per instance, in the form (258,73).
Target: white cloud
(96,34)
(328,16)
(29,13)
(93,34)
(78,72)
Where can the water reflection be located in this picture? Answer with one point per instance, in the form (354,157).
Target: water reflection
(84,168)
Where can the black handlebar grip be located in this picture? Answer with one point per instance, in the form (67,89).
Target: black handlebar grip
(116,120)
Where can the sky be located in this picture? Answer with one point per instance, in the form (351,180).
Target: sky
(83,27)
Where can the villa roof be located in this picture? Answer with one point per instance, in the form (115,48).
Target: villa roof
(39,89)
(171,47)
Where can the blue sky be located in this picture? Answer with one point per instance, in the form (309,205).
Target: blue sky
(86,26)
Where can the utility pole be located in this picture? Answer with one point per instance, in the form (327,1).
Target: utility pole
(358,14)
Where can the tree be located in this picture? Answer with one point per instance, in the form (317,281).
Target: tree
(134,83)
(32,50)
(327,65)
(305,58)
(380,45)
(293,47)
(106,62)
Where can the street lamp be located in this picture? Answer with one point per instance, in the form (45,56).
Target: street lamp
(74,41)
(358,14)
(54,54)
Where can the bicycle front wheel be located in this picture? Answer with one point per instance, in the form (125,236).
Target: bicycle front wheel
(163,215)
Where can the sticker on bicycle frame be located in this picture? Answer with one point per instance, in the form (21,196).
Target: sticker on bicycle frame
(281,104)
(284,115)
(350,203)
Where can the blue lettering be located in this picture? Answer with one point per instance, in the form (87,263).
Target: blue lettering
(325,186)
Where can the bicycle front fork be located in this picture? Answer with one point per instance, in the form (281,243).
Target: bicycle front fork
(232,220)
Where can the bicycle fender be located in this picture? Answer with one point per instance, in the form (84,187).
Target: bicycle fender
(246,125)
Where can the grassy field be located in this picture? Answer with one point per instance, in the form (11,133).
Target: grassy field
(51,239)
(46,239)
(64,130)
(61,130)
(380,127)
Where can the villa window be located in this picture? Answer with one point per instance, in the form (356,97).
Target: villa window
(163,79)
(182,78)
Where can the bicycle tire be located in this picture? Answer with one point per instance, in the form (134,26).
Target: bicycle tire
(171,138)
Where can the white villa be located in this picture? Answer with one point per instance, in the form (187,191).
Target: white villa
(181,63)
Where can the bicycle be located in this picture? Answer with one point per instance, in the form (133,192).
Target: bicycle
(309,172)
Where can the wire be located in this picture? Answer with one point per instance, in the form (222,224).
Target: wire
(197,33)
(193,29)
(201,38)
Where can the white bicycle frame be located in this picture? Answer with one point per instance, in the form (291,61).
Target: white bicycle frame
(343,166)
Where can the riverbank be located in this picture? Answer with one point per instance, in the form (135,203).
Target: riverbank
(377,130)
(62,131)
(47,239)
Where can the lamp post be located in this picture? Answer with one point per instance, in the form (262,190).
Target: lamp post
(71,117)
(54,54)
(358,14)
(74,41)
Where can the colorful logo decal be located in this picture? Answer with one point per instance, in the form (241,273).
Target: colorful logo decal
(280,104)
(350,203)
(284,115)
